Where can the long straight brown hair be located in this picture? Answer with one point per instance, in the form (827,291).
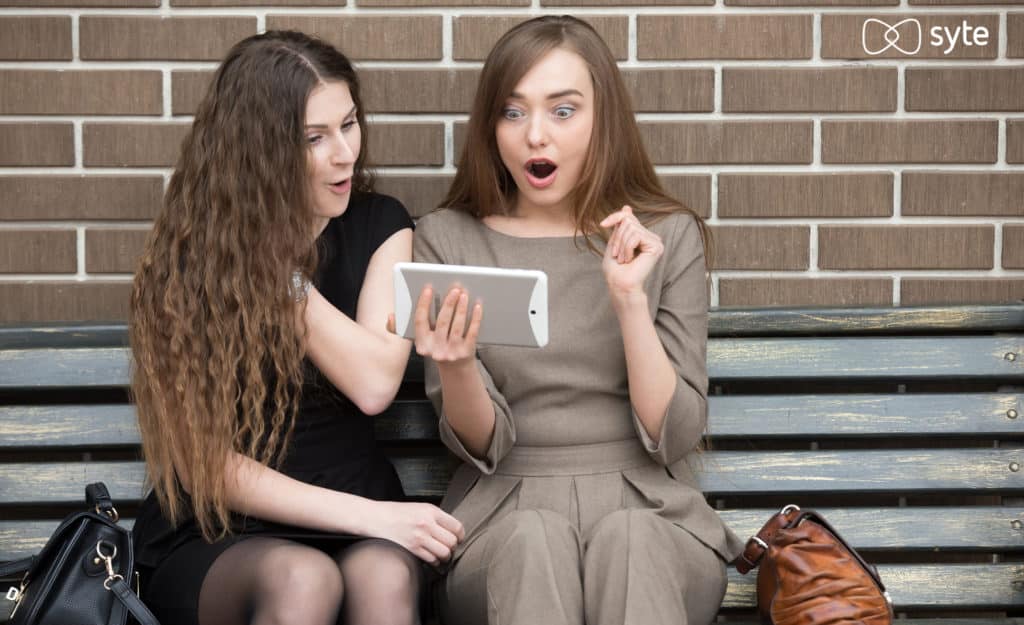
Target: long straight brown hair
(216,343)
(616,170)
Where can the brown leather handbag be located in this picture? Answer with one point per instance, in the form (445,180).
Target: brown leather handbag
(810,576)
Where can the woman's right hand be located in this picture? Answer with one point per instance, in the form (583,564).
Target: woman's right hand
(427,531)
(449,341)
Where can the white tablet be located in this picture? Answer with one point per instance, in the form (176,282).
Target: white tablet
(515,301)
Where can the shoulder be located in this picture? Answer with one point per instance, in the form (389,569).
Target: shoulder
(676,228)
(377,207)
(448,221)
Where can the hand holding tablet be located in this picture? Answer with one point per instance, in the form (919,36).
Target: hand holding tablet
(515,301)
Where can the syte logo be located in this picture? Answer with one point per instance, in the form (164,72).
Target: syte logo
(905,36)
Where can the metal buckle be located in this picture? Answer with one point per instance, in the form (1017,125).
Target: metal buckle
(108,560)
(16,595)
(111,514)
(787,509)
(760,542)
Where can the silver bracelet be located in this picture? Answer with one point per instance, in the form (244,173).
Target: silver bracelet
(300,286)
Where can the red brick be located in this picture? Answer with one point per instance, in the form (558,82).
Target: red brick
(128,38)
(799,292)
(35,38)
(905,247)
(38,251)
(760,248)
(922,291)
(64,301)
(37,145)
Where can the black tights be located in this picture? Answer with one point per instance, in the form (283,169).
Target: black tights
(272,581)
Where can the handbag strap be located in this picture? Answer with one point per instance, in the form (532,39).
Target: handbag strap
(138,609)
(757,545)
(98,497)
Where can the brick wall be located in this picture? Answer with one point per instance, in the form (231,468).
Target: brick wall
(833,171)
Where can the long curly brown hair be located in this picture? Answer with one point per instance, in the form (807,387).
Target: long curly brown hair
(616,169)
(216,341)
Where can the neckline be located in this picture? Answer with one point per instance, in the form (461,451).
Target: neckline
(562,237)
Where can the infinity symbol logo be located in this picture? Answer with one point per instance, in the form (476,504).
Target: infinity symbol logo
(892,36)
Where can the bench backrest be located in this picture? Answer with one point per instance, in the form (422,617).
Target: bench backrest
(904,426)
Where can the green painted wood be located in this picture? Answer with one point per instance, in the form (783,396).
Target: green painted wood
(981,586)
(723,473)
(772,359)
(938,529)
(68,427)
(19,539)
(46,483)
(407,420)
(112,425)
(961,586)
(721,322)
(738,416)
(915,471)
(844,415)
(924,528)
(41,369)
(60,335)
(836,321)
(862,358)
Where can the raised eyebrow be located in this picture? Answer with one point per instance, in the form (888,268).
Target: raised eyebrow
(551,96)
(351,112)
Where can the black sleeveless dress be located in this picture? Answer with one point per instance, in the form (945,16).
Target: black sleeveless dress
(332,444)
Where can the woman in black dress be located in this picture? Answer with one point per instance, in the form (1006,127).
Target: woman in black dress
(258,331)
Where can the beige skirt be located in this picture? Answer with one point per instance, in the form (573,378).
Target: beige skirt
(585,483)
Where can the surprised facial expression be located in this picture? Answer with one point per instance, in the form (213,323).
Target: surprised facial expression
(332,137)
(544,130)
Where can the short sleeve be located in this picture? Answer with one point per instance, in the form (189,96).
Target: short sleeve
(430,246)
(681,322)
(386,216)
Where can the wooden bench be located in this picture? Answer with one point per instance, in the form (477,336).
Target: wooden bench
(904,426)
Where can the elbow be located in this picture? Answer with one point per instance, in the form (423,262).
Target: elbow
(374,401)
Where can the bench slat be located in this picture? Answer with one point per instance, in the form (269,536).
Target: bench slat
(113,425)
(728,322)
(960,586)
(856,358)
(975,528)
(833,321)
(724,473)
(981,586)
(925,528)
(730,416)
(859,358)
(892,471)
(762,416)
(40,369)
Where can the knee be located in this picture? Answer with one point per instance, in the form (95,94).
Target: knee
(530,529)
(389,579)
(637,527)
(532,535)
(306,580)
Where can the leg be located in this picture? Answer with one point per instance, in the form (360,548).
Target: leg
(524,570)
(270,581)
(382,584)
(642,569)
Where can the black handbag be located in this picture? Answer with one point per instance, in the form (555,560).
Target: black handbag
(82,575)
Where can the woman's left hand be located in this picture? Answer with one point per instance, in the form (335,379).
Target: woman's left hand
(630,255)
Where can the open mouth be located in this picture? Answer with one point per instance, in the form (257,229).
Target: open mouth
(340,186)
(540,172)
(541,168)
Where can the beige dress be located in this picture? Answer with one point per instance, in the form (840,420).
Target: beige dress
(575,515)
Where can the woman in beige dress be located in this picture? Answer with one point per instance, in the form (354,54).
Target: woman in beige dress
(577,488)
